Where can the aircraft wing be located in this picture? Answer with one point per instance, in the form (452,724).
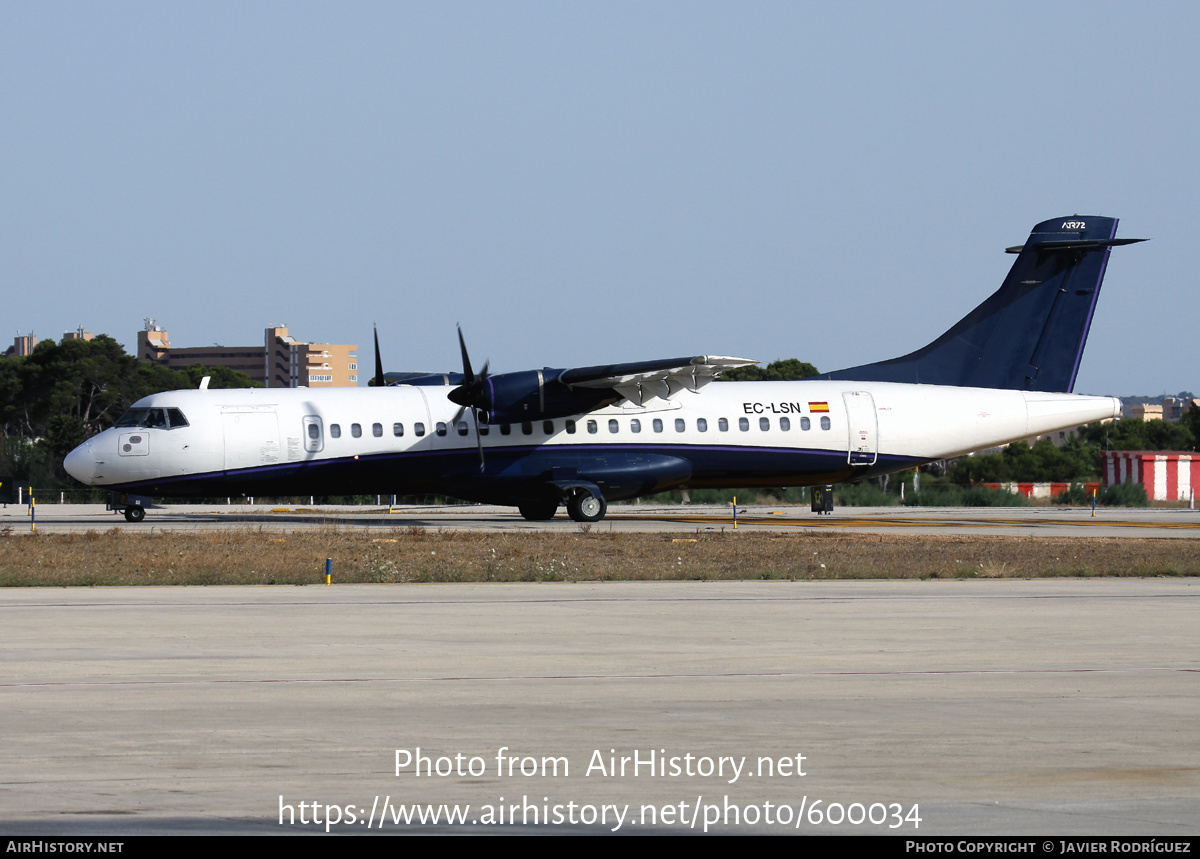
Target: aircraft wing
(642,381)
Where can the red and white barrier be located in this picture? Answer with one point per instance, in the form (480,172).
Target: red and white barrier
(1167,475)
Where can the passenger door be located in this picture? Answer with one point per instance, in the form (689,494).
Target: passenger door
(862,424)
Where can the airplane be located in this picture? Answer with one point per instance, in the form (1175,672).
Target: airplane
(585,436)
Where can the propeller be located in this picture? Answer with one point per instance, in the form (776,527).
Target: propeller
(378,381)
(469,395)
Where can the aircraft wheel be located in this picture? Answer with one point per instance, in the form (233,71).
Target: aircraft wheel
(586,507)
(538,511)
(135,514)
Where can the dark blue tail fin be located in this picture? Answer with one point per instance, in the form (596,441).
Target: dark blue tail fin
(1029,335)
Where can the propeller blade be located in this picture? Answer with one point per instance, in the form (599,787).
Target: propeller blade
(474,419)
(470,392)
(377,382)
(468,376)
(478,437)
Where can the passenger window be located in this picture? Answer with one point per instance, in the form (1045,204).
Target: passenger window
(657,425)
(419,429)
(702,424)
(484,429)
(356,430)
(441,428)
(680,425)
(805,424)
(635,425)
(612,425)
(377,430)
(548,427)
(764,424)
(744,424)
(397,430)
(176,418)
(505,429)
(526,428)
(825,422)
(462,427)
(570,427)
(591,425)
(723,425)
(335,430)
(313,432)
(785,424)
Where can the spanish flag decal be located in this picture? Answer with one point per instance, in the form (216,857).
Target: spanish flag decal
(818,407)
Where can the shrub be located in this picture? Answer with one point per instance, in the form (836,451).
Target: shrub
(863,495)
(973,496)
(1123,495)
(1076,495)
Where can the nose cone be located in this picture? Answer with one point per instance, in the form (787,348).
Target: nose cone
(80,463)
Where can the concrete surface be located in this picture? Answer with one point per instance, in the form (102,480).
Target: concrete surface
(994,707)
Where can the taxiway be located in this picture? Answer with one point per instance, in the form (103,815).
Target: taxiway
(1019,521)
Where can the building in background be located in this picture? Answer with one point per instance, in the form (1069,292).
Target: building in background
(1146,412)
(281,362)
(22,345)
(1175,407)
(77,334)
(1171,409)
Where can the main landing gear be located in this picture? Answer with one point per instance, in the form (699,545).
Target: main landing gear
(135,513)
(584,504)
(538,511)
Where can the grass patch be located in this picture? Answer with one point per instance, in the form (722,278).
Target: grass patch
(248,556)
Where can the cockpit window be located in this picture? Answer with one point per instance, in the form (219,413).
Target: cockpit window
(132,418)
(153,419)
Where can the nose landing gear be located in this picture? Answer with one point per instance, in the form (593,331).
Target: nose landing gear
(133,506)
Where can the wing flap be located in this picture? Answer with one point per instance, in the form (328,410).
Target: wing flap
(643,381)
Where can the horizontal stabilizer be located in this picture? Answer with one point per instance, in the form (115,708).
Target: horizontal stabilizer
(1072,245)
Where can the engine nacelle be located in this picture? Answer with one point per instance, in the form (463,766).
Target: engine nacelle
(431,380)
(537,394)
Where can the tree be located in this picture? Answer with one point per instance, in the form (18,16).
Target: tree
(219,377)
(1191,421)
(1075,460)
(1133,434)
(783,370)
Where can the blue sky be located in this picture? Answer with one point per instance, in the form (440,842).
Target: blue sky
(579,183)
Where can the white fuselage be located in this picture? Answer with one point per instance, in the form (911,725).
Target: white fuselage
(401,439)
